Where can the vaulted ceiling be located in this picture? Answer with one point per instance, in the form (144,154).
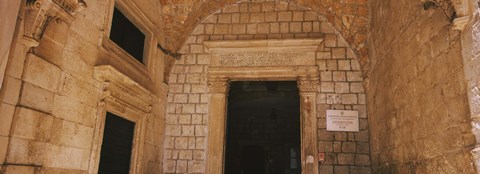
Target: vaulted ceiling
(349,17)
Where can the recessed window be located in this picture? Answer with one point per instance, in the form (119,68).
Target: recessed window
(126,35)
(116,150)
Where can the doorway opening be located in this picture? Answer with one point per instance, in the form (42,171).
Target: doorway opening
(263,128)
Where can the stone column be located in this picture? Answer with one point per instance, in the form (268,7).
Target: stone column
(218,89)
(308,91)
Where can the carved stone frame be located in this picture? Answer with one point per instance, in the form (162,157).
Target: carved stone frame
(127,99)
(301,69)
(115,55)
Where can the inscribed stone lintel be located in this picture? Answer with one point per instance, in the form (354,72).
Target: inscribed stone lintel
(263,53)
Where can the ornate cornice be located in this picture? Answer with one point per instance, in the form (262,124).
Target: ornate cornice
(218,85)
(308,84)
(39,13)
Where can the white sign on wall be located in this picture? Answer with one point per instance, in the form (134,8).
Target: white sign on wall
(342,120)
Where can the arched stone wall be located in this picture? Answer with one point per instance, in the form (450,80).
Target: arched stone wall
(340,84)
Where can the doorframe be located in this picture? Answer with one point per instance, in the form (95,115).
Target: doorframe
(307,81)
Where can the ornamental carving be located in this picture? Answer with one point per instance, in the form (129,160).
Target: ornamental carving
(219,86)
(308,84)
(41,12)
(257,59)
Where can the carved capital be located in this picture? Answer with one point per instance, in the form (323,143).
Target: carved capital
(308,84)
(218,85)
(41,12)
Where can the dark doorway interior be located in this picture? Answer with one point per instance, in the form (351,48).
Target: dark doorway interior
(263,128)
(116,146)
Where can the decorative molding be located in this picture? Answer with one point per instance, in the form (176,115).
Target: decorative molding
(41,12)
(460,23)
(464,10)
(123,89)
(270,73)
(308,84)
(256,59)
(269,45)
(219,86)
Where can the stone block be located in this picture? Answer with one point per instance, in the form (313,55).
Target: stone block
(212,19)
(349,99)
(239,29)
(181,143)
(41,73)
(274,27)
(295,27)
(327,87)
(235,18)
(181,166)
(196,49)
(263,28)
(3,148)
(285,16)
(326,76)
(357,87)
(209,28)
(66,157)
(257,17)
(307,27)
(32,125)
(36,98)
(201,143)
(173,130)
(284,27)
(341,170)
(326,27)
(71,134)
(188,130)
(332,65)
(338,53)
(169,166)
(361,159)
(196,166)
(191,143)
(6,118)
(344,65)
(224,18)
(197,119)
(255,7)
(330,40)
(19,169)
(325,169)
(185,154)
(271,17)
(200,29)
(311,16)
(346,159)
(342,87)
(201,108)
(349,147)
(198,154)
(252,29)
(244,7)
(10,90)
(354,76)
(244,18)
(27,152)
(339,76)
(324,55)
(235,8)
(337,146)
(297,15)
(184,119)
(325,146)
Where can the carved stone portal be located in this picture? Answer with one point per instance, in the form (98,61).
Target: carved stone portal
(262,60)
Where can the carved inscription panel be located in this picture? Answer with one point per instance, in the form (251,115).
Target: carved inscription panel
(262,59)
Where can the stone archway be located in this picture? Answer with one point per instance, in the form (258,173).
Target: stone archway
(262,60)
